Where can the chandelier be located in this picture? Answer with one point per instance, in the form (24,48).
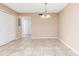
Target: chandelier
(45,15)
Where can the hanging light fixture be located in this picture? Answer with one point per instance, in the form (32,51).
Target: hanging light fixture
(45,15)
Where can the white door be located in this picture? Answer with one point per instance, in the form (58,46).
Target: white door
(26,26)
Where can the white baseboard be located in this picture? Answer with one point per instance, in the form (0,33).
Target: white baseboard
(69,46)
(26,35)
(44,37)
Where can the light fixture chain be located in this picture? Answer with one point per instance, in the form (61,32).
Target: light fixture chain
(45,7)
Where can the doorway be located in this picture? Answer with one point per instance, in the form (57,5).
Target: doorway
(25,26)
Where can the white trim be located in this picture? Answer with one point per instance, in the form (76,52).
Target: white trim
(69,46)
(44,37)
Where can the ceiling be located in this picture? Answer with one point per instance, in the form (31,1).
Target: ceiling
(36,7)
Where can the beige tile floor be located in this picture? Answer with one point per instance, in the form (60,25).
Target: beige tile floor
(36,47)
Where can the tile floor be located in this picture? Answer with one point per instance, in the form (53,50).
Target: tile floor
(36,47)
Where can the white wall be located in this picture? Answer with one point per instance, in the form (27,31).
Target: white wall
(44,28)
(69,26)
(7,28)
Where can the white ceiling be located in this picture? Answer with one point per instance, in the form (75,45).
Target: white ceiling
(36,7)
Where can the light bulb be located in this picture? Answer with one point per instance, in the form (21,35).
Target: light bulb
(43,16)
(47,16)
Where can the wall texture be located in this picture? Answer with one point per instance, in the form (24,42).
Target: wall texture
(69,26)
(44,28)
